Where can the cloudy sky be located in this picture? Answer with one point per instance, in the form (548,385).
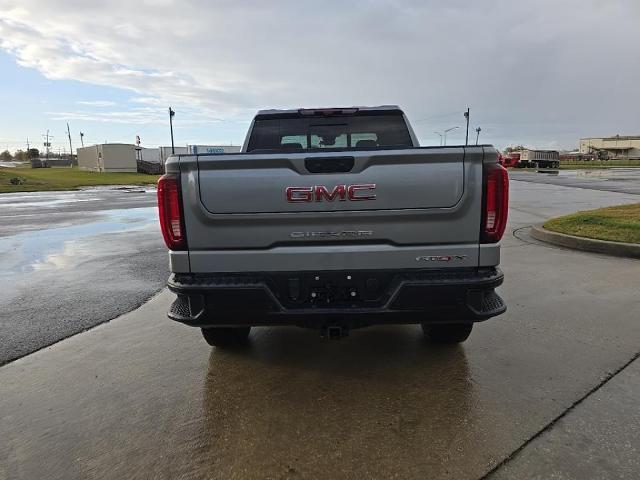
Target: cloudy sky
(542,73)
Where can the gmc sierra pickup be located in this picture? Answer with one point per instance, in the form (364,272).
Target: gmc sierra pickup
(334,219)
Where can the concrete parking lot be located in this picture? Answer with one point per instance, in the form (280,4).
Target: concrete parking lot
(548,390)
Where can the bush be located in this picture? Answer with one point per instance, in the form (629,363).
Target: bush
(17,180)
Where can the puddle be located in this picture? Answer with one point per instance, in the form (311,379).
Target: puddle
(610,172)
(48,200)
(48,203)
(55,248)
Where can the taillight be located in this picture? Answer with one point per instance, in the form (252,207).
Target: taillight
(495,202)
(170,210)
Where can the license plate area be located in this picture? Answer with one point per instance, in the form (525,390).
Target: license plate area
(331,289)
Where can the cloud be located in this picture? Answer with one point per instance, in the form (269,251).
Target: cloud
(137,116)
(538,72)
(96,103)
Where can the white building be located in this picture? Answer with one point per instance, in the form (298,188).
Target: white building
(618,147)
(161,154)
(124,157)
(108,157)
(165,153)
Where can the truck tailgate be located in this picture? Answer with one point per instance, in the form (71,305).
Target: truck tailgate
(403,179)
(426,204)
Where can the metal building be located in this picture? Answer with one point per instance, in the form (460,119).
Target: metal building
(108,157)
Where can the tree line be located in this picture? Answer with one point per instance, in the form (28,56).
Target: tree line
(19,155)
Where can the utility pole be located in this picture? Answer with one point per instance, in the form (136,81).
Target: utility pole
(70,146)
(81,139)
(171,114)
(28,146)
(466,116)
(47,144)
(438,133)
(478,130)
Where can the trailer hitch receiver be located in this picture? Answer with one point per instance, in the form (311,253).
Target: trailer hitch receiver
(334,332)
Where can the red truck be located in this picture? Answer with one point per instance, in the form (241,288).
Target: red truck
(510,160)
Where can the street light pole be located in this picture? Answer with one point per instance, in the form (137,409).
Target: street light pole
(466,138)
(171,114)
(438,133)
(478,130)
(445,134)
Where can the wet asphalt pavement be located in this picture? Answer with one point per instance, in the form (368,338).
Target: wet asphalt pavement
(548,390)
(72,260)
(621,180)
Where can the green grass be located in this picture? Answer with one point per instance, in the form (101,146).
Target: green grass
(580,164)
(37,179)
(616,224)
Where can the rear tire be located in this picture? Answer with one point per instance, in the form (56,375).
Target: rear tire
(226,336)
(447,332)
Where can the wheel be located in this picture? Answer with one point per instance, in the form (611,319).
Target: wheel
(225,336)
(447,332)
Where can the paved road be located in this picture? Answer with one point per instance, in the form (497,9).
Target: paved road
(547,390)
(621,180)
(72,260)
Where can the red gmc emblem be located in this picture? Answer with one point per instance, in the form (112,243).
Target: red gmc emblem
(320,193)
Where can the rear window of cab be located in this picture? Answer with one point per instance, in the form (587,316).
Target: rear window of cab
(348,132)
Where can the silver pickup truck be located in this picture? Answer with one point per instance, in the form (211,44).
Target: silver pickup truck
(334,219)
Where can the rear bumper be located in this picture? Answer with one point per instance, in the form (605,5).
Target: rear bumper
(316,299)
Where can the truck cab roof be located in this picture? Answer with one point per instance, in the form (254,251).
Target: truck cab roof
(355,110)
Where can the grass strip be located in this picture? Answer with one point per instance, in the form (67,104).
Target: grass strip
(64,178)
(616,224)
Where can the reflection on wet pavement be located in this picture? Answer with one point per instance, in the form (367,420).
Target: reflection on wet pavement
(615,173)
(621,180)
(21,212)
(71,260)
(381,403)
(60,246)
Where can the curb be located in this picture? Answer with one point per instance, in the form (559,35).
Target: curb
(616,249)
